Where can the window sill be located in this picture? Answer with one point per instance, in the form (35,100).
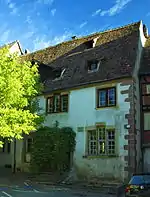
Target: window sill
(99,156)
(48,113)
(107,107)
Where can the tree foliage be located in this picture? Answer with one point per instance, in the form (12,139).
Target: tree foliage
(51,149)
(19,86)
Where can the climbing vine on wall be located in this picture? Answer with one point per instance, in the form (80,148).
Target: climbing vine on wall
(51,149)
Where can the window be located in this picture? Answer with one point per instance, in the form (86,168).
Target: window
(106,97)
(93,65)
(57,103)
(146,94)
(6,146)
(101,142)
(59,74)
(147,121)
(28,145)
(89,44)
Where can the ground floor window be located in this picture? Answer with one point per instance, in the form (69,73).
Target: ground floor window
(101,141)
(28,145)
(147,121)
(6,146)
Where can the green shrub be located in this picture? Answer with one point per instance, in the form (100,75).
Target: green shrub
(51,149)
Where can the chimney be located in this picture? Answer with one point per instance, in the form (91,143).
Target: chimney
(26,51)
(74,37)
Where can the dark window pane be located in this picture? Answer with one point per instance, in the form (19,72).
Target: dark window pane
(111,97)
(102,98)
(64,103)
(146,100)
(50,104)
(92,65)
(29,145)
(8,147)
(57,103)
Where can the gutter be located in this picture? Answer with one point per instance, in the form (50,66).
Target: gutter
(46,92)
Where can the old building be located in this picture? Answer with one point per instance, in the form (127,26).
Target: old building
(91,84)
(144,76)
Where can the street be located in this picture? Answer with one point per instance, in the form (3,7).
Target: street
(27,190)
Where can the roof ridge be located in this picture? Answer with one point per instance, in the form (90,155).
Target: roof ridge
(114,29)
(84,37)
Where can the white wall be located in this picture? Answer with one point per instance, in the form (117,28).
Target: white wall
(83,113)
(15,49)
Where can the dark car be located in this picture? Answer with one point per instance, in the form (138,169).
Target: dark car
(138,186)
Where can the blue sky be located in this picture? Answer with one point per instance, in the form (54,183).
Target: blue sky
(40,23)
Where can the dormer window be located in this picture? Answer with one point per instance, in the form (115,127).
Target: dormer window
(89,44)
(93,66)
(59,74)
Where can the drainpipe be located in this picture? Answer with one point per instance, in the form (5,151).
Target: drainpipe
(14,166)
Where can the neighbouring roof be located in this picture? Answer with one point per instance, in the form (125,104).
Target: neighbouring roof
(145,62)
(9,45)
(116,48)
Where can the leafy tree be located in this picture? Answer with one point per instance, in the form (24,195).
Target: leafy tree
(19,86)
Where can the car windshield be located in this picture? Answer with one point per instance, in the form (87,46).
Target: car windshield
(136,180)
(140,179)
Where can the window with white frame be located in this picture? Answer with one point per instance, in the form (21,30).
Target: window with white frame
(106,97)
(57,103)
(101,141)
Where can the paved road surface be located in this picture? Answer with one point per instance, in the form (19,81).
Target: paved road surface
(27,190)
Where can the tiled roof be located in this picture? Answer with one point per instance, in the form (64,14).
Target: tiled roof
(145,62)
(116,47)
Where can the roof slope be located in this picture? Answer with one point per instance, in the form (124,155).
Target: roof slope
(145,62)
(9,45)
(116,47)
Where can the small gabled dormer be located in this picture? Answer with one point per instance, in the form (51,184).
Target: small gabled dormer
(91,43)
(93,65)
(59,73)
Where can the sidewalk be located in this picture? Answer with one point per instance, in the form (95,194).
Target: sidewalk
(102,187)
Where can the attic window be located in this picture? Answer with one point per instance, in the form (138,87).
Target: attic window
(59,74)
(93,66)
(89,44)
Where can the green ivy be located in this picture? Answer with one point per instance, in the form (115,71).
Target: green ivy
(51,149)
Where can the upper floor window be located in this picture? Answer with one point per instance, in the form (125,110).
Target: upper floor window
(57,103)
(106,97)
(93,65)
(146,96)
